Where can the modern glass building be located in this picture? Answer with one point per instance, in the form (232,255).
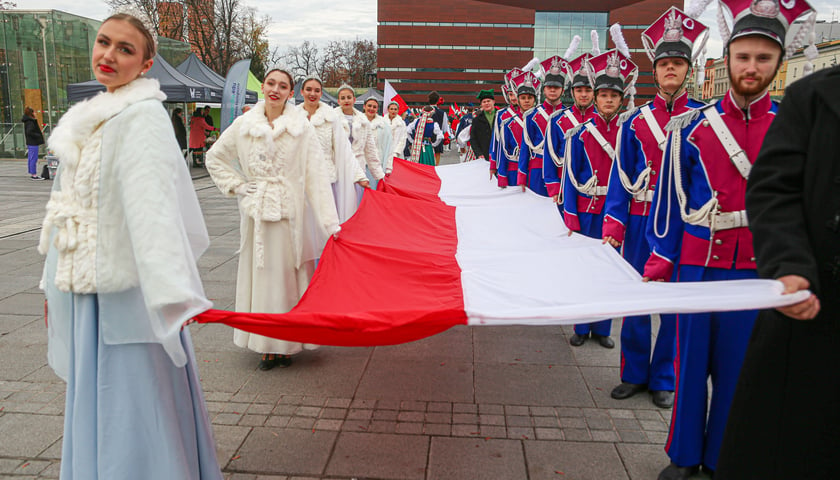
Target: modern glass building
(553,31)
(41,52)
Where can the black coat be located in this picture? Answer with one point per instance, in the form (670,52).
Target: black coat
(481,135)
(180,132)
(32,131)
(785,417)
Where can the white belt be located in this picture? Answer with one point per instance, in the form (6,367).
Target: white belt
(646,196)
(595,192)
(726,220)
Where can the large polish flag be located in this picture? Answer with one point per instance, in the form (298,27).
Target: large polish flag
(443,246)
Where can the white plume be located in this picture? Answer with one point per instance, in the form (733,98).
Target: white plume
(530,65)
(618,39)
(596,47)
(697,7)
(572,48)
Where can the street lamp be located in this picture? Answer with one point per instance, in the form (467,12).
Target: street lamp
(43,22)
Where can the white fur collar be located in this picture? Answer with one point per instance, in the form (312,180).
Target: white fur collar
(322,115)
(379,121)
(255,123)
(77,125)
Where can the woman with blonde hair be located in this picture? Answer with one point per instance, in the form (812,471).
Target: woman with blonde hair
(122,233)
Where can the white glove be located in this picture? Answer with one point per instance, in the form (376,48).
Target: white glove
(248,188)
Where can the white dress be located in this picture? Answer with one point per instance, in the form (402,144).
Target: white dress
(285,224)
(342,168)
(399,128)
(381,129)
(363,143)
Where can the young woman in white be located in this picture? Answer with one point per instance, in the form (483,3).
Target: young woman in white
(342,167)
(358,130)
(398,128)
(381,133)
(271,160)
(122,233)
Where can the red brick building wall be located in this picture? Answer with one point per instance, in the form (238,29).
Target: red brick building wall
(636,15)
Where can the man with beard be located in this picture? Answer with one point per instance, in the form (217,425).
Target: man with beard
(698,222)
(674,41)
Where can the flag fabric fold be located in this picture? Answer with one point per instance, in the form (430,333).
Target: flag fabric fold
(437,247)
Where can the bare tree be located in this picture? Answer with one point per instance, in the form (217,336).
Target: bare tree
(169,18)
(350,61)
(4,5)
(303,60)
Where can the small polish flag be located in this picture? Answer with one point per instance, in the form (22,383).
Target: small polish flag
(427,252)
(391,94)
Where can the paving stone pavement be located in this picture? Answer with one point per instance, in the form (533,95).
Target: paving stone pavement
(482,403)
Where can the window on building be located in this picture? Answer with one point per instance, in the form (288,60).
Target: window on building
(553,31)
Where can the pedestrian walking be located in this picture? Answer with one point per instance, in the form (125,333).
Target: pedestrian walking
(122,233)
(34,139)
(271,160)
(179,128)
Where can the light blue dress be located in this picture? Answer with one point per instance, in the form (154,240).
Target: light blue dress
(130,412)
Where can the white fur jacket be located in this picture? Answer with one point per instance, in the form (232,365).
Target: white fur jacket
(285,161)
(384,138)
(333,141)
(399,129)
(364,143)
(123,221)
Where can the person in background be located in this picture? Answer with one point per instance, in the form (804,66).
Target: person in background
(423,135)
(398,130)
(198,137)
(121,278)
(440,118)
(271,160)
(527,88)
(207,116)
(481,133)
(358,129)
(464,123)
(382,134)
(180,128)
(34,139)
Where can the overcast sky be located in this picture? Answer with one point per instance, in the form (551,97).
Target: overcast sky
(320,21)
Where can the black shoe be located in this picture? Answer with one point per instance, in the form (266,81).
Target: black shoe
(284,361)
(663,398)
(604,341)
(708,471)
(627,390)
(674,472)
(269,363)
(578,340)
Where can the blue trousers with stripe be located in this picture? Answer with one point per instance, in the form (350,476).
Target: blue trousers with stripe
(591,226)
(708,345)
(637,365)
